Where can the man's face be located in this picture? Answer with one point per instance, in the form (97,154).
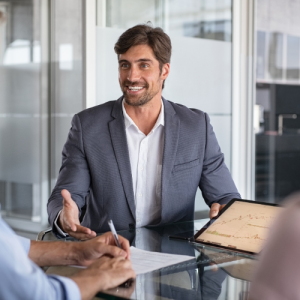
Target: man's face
(140,77)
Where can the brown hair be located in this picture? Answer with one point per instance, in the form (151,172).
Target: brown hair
(146,34)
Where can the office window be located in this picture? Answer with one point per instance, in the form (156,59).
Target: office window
(293,58)
(277,100)
(41,88)
(23,162)
(66,75)
(200,19)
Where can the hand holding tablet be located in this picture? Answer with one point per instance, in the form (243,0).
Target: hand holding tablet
(241,226)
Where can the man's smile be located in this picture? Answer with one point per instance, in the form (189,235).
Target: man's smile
(134,89)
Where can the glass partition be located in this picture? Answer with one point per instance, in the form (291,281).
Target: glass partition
(201,19)
(277,117)
(23,124)
(66,74)
(41,77)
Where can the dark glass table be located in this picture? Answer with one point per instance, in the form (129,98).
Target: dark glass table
(213,274)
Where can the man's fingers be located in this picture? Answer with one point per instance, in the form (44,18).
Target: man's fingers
(82,233)
(66,194)
(67,222)
(81,236)
(70,226)
(117,262)
(79,232)
(222,206)
(69,217)
(113,251)
(67,199)
(215,209)
(104,273)
(82,229)
(125,245)
(108,239)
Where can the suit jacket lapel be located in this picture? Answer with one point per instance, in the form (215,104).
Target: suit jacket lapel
(172,124)
(119,142)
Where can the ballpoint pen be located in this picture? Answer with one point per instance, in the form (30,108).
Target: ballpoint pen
(113,230)
(127,283)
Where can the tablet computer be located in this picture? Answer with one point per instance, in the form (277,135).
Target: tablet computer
(242,225)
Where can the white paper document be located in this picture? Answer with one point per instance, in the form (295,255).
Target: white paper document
(147,261)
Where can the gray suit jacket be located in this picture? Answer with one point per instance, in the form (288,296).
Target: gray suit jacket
(96,167)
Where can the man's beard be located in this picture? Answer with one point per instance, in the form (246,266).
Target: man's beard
(141,100)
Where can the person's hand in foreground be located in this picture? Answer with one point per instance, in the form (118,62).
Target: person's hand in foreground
(108,265)
(103,274)
(215,209)
(77,253)
(68,219)
(92,249)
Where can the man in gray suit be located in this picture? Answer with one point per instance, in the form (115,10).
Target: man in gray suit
(140,159)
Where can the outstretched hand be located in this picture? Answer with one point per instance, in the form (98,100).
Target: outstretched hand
(215,209)
(69,219)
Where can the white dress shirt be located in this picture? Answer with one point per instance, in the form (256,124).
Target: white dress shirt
(145,153)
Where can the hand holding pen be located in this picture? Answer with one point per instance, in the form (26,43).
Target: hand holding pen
(119,240)
(129,282)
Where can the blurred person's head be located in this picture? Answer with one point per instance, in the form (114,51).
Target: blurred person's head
(278,269)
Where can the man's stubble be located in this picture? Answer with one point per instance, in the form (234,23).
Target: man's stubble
(146,97)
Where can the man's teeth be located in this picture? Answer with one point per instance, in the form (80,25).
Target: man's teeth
(135,88)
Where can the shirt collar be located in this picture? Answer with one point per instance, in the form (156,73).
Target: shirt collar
(128,121)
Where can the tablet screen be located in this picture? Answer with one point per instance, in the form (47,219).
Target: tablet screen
(242,226)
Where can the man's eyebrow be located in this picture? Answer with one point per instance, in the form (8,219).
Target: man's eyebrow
(123,61)
(144,59)
(139,60)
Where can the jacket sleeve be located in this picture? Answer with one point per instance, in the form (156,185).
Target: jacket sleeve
(74,174)
(216,182)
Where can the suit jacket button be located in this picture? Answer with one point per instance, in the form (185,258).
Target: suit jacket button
(131,226)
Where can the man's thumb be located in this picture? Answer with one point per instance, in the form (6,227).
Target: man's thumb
(66,195)
(113,251)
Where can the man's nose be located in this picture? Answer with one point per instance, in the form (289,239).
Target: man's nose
(133,74)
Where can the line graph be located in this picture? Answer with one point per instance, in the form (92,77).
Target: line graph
(243,226)
(217,233)
(253,217)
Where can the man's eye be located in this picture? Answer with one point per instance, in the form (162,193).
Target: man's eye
(144,65)
(124,66)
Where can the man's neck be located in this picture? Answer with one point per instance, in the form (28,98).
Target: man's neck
(145,116)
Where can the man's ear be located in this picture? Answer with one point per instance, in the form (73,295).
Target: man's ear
(165,71)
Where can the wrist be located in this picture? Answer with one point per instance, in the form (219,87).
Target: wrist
(75,253)
(71,253)
(88,283)
(58,220)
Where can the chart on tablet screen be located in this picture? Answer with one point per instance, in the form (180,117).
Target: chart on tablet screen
(243,226)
